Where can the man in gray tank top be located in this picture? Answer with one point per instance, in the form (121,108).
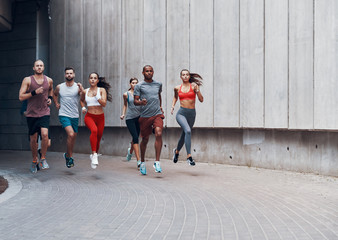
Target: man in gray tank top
(37,90)
(148,95)
(66,99)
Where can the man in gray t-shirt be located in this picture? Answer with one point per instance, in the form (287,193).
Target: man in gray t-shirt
(148,95)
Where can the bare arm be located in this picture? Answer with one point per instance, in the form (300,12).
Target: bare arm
(198,92)
(125,104)
(139,102)
(50,92)
(175,98)
(82,101)
(159,96)
(56,96)
(103,99)
(23,89)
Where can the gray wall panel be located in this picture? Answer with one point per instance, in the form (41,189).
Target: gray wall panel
(325,65)
(57,49)
(226,63)
(251,63)
(301,64)
(177,51)
(276,64)
(201,57)
(154,46)
(111,59)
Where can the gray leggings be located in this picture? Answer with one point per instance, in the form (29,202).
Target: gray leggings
(186,119)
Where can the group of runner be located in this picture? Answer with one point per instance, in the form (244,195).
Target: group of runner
(142,110)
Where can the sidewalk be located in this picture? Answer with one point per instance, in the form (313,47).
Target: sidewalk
(207,201)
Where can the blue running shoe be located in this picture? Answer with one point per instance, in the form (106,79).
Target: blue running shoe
(67,160)
(71,162)
(33,167)
(157,167)
(143,168)
(129,155)
(43,164)
(138,163)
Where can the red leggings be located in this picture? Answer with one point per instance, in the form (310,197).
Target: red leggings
(95,123)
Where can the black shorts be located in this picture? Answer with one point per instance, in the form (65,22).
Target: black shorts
(35,124)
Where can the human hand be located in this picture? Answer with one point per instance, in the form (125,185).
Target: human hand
(122,116)
(39,90)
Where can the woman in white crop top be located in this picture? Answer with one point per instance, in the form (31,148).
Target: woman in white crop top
(95,98)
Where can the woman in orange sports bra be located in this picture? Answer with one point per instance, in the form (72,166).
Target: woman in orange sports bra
(185,117)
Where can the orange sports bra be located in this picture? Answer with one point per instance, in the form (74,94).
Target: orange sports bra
(190,95)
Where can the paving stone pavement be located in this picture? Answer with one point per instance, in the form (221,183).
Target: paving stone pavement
(207,201)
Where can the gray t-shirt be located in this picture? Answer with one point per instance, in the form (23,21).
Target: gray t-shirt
(150,92)
(69,100)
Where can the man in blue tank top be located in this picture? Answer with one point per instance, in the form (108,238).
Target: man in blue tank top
(66,99)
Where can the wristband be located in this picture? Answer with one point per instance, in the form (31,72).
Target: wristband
(50,97)
(84,108)
(33,93)
(97,98)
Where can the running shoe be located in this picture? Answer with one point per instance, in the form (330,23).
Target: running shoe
(91,161)
(129,155)
(190,161)
(95,161)
(71,162)
(157,167)
(143,168)
(67,160)
(175,157)
(43,164)
(138,163)
(33,167)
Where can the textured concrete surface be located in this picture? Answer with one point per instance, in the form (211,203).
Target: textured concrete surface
(208,201)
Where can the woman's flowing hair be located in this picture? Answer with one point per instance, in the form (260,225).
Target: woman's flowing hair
(194,77)
(102,83)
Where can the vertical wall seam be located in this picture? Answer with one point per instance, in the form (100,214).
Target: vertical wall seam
(239,64)
(166,58)
(313,63)
(121,54)
(213,63)
(288,57)
(264,96)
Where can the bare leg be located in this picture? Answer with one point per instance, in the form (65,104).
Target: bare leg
(158,142)
(34,146)
(137,151)
(44,142)
(71,137)
(143,147)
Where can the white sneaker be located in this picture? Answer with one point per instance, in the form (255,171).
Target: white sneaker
(92,159)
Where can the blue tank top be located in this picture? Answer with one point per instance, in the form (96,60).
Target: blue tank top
(133,111)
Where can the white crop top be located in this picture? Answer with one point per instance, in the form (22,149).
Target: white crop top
(92,101)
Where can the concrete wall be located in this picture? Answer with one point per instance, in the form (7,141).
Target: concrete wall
(18,52)
(301,151)
(266,64)
(269,71)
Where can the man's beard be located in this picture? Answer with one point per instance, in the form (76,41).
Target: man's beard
(69,79)
(38,73)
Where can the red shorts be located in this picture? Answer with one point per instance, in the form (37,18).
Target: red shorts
(148,124)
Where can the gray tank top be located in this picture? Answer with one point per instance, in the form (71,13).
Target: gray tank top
(69,100)
(133,111)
